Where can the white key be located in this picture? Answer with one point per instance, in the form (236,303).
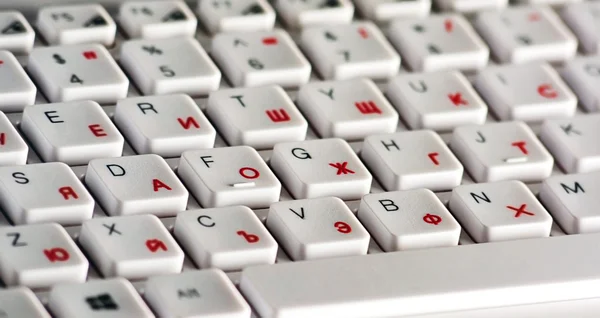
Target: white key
(73,132)
(21,302)
(571,199)
(16,90)
(441,101)
(16,35)
(77,72)
(573,142)
(114,297)
(206,293)
(229,238)
(260,59)
(386,10)
(165,66)
(229,176)
(351,109)
(317,228)
(13,149)
(468,6)
(165,125)
(257,117)
(583,19)
(236,16)
(501,151)
(39,256)
(321,168)
(76,24)
(348,51)
(439,42)
(406,220)
(133,247)
(531,92)
(514,273)
(299,14)
(136,185)
(523,34)
(499,211)
(44,192)
(157,19)
(412,160)
(583,75)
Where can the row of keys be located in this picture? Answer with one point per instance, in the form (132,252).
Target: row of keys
(238,175)
(339,52)
(232,238)
(66,73)
(91,23)
(190,294)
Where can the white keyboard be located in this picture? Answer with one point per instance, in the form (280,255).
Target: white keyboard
(254,158)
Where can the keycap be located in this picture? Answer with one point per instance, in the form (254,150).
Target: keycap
(524,34)
(582,74)
(517,272)
(468,6)
(76,24)
(16,35)
(317,228)
(349,109)
(258,117)
(529,92)
(236,16)
(72,132)
(299,14)
(440,100)
(142,184)
(583,19)
(44,192)
(166,125)
(229,176)
(77,72)
(570,199)
(134,246)
(260,59)
(386,10)
(206,293)
(165,66)
(412,160)
(114,297)
(501,151)
(228,238)
(16,90)
(40,255)
(21,302)
(320,168)
(439,42)
(349,51)
(572,142)
(498,211)
(157,19)
(406,220)
(13,149)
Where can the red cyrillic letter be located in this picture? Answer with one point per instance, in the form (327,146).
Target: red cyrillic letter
(157,184)
(97,130)
(67,192)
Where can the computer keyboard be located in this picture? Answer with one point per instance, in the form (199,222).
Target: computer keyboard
(253,158)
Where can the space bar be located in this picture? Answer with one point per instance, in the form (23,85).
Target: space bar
(429,281)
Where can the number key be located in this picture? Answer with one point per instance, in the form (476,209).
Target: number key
(178,65)
(77,72)
(260,59)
